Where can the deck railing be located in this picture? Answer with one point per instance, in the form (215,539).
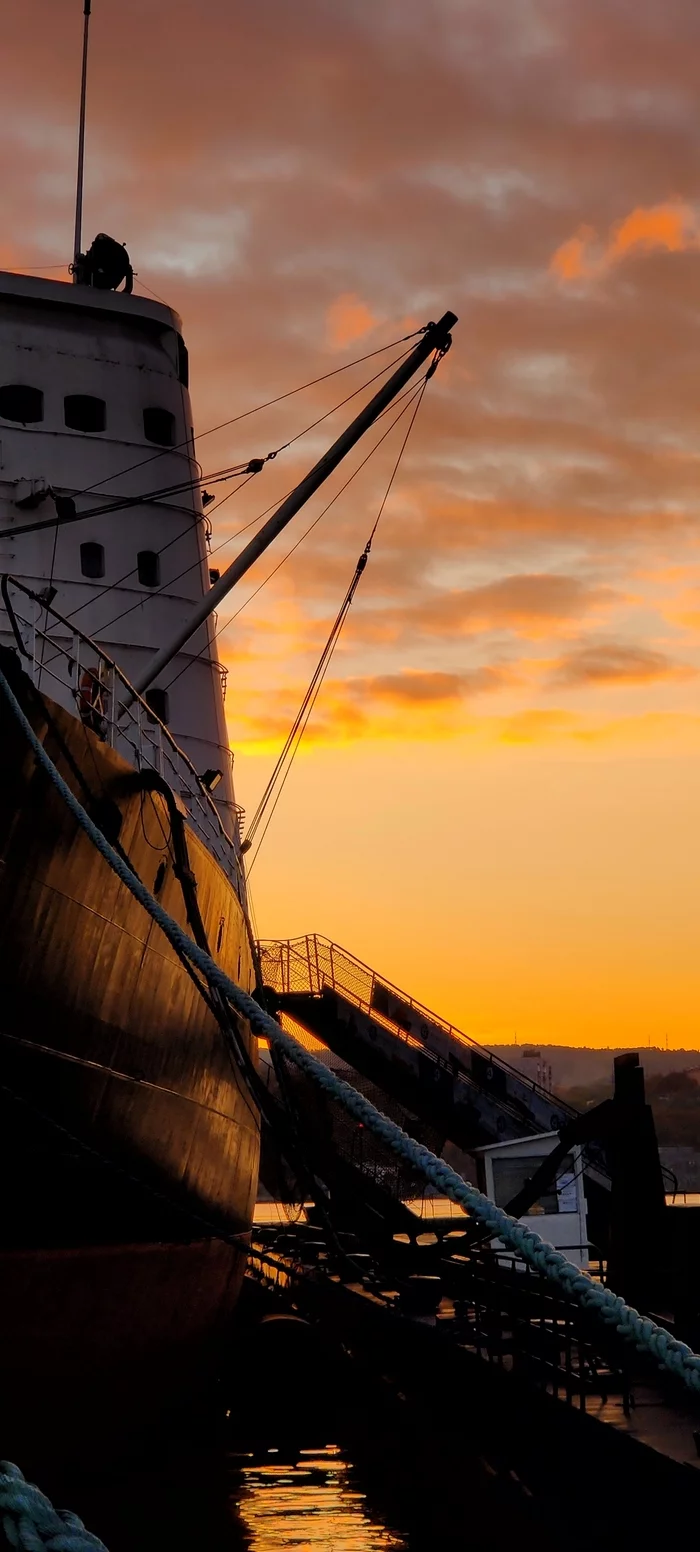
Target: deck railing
(73,666)
(310,963)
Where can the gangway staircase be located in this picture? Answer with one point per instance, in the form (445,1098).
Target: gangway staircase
(471,1096)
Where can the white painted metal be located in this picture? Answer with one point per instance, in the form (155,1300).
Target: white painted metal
(567,1228)
(64,339)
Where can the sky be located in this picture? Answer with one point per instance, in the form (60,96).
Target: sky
(496,804)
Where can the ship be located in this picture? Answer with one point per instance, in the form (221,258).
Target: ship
(129,1136)
(130,1092)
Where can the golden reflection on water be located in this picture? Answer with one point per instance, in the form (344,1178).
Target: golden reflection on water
(311,1507)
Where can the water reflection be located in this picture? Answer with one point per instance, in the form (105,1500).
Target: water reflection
(312,1505)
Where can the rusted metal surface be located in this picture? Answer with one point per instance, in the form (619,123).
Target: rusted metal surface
(102,1031)
(113,1348)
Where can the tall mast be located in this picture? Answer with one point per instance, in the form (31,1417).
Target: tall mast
(436,337)
(77,240)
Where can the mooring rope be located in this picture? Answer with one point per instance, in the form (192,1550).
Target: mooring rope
(30,1522)
(647,1336)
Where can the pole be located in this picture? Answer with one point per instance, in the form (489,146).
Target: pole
(77,240)
(436,337)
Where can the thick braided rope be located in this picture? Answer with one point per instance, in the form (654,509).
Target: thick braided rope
(30,1522)
(668,1352)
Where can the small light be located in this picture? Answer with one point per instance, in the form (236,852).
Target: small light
(207,498)
(211,779)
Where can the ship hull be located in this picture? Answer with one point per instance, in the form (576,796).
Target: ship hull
(128,1139)
(119,1348)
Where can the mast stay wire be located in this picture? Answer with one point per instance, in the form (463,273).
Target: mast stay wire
(226,623)
(300,540)
(414,390)
(257,408)
(294,737)
(155,592)
(142,599)
(111,586)
(145,498)
(122,503)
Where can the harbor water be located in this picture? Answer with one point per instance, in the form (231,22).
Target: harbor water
(307,1500)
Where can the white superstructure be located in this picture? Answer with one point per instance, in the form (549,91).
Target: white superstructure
(560,1215)
(94,405)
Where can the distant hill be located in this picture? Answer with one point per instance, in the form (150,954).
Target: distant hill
(584,1076)
(583,1066)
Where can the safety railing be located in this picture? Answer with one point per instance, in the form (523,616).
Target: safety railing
(310,963)
(73,666)
(486,1300)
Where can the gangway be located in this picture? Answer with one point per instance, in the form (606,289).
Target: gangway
(436,1070)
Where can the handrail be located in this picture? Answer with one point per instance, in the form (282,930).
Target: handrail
(305,951)
(137,701)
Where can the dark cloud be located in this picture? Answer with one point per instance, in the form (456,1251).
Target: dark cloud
(416,688)
(526,605)
(615,663)
(304,182)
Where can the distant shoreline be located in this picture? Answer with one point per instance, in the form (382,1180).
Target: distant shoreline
(574,1065)
(614,1050)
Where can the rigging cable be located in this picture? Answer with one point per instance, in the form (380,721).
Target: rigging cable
(66,510)
(156,592)
(112,586)
(122,503)
(149,289)
(268,404)
(49,594)
(414,390)
(276,784)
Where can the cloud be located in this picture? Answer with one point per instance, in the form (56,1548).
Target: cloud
(672,227)
(345,716)
(414,703)
(614,663)
(418,688)
(536,726)
(348,319)
(382,163)
(529,605)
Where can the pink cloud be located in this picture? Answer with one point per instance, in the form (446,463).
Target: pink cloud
(671,227)
(348,319)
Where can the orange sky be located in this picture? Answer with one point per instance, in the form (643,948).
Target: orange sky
(498,801)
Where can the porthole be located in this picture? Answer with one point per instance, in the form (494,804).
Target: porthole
(92,560)
(183,362)
(159,702)
(159,427)
(25,405)
(148,564)
(83,412)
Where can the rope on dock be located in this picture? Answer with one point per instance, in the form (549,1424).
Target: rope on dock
(668,1352)
(30,1522)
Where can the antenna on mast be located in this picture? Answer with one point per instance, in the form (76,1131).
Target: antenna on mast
(77,240)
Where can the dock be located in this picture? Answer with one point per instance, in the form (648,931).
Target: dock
(491,1359)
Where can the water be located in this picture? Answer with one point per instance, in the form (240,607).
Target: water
(315,1504)
(306,1499)
(309,1499)
(297,1459)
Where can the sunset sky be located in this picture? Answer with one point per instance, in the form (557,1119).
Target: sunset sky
(498,803)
